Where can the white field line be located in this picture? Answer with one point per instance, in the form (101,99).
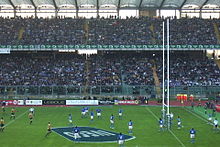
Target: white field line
(196,115)
(10,122)
(169,129)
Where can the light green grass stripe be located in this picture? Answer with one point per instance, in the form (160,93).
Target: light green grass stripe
(169,129)
(19,116)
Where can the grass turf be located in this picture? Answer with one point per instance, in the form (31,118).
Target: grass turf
(18,133)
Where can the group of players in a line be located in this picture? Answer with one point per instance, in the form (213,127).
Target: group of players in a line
(192,131)
(85,112)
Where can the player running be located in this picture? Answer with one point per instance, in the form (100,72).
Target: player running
(70,120)
(76,133)
(3,109)
(161,124)
(209,118)
(179,123)
(192,133)
(31,116)
(31,110)
(98,111)
(121,140)
(120,113)
(91,116)
(130,127)
(215,124)
(86,110)
(2,124)
(83,112)
(112,126)
(12,113)
(48,129)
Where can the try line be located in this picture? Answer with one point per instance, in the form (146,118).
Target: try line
(19,116)
(169,130)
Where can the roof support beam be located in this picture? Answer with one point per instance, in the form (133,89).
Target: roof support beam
(118,8)
(77,9)
(13,7)
(183,4)
(139,7)
(200,9)
(35,8)
(161,5)
(12,4)
(204,4)
(56,8)
(97,7)
(32,2)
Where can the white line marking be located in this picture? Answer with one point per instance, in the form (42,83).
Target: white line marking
(16,118)
(196,115)
(169,130)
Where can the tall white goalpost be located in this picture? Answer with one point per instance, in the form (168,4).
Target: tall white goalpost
(166,105)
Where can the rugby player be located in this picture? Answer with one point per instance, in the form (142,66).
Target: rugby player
(48,129)
(2,124)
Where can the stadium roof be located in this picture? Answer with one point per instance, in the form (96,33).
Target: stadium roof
(159,4)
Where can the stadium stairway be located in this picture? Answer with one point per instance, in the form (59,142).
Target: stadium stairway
(86,32)
(20,33)
(151,27)
(156,79)
(218,63)
(217,33)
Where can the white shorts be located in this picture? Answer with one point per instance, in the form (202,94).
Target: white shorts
(179,123)
(111,121)
(130,127)
(120,114)
(98,114)
(83,113)
(70,121)
(192,135)
(91,117)
(121,142)
(210,119)
(76,135)
(161,126)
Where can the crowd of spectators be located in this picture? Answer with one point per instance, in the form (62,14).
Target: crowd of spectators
(100,31)
(114,68)
(186,70)
(27,70)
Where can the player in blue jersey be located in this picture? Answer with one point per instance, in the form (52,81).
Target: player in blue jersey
(91,116)
(83,112)
(161,124)
(99,114)
(86,110)
(70,119)
(179,123)
(112,121)
(76,133)
(130,127)
(192,133)
(121,140)
(120,113)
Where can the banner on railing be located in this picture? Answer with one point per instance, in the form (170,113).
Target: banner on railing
(112,47)
(4,51)
(82,102)
(217,108)
(54,102)
(126,102)
(11,102)
(33,102)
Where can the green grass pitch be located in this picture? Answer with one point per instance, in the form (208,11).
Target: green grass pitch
(18,133)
